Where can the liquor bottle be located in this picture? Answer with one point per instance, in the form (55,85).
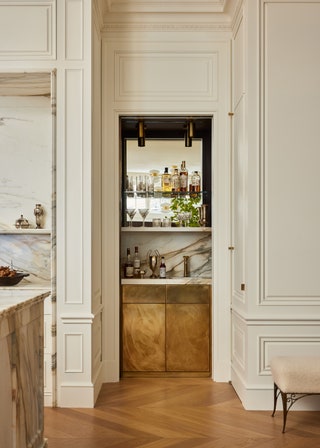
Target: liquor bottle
(183,177)
(136,262)
(166,180)
(195,182)
(128,266)
(162,269)
(175,181)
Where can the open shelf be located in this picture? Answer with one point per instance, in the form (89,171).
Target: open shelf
(166,229)
(25,231)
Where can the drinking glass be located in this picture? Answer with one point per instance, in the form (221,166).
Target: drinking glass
(180,217)
(187,217)
(144,213)
(131,212)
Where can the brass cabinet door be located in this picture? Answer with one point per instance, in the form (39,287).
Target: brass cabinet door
(143,337)
(187,337)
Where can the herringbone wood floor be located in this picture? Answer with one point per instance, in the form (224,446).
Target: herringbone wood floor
(176,413)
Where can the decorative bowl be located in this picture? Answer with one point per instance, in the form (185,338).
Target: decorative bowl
(14,280)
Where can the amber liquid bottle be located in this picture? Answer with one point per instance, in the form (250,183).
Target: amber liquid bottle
(166,180)
(183,177)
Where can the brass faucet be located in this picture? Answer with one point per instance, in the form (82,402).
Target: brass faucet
(186,272)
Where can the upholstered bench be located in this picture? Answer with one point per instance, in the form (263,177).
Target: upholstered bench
(294,377)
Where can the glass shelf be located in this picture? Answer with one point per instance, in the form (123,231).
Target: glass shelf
(166,229)
(164,194)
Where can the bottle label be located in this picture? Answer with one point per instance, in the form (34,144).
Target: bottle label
(162,272)
(183,180)
(129,271)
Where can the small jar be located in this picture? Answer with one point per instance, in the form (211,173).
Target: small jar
(166,222)
(156,222)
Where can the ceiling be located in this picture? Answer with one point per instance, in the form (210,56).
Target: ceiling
(218,11)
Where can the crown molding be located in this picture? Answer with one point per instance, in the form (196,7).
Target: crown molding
(167,6)
(168,15)
(120,27)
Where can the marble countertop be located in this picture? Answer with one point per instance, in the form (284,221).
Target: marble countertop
(26,284)
(13,299)
(167,281)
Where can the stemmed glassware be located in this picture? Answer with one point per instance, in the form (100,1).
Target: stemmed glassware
(131,212)
(144,213)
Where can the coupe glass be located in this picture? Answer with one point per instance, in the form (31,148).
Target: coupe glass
(131,212)
(144,213)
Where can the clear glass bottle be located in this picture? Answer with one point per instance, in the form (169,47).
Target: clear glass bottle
(175,181)
(128,265)
(166,180)
(136,262)
(162,269)
(195,184)
(156,180)
(183,177)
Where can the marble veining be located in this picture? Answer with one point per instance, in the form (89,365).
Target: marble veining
(30,253)
(26,144)
(21,361)
(173,246)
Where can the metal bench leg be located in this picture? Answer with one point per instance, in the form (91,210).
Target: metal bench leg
(285,409)
(275,398)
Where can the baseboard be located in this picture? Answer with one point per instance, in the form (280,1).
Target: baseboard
(76,396)
(260,398)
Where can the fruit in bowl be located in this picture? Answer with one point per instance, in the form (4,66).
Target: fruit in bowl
(10,277)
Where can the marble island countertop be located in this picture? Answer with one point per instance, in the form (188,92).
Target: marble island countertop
(167,281)
(13,299)
(27,285)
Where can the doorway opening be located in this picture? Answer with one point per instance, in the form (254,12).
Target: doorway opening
(166,324)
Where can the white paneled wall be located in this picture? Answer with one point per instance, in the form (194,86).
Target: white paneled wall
(275,189)
(27,30)
(38,36)
(166,73)
(75,317)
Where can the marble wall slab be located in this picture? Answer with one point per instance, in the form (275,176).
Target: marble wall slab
(173,246)
(26,158)
(28,252)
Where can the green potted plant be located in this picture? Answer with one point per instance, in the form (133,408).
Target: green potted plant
(180,205)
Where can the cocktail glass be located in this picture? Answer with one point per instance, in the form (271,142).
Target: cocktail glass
(144,213)
(131,212)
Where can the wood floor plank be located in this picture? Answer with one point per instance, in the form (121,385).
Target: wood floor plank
(176,413)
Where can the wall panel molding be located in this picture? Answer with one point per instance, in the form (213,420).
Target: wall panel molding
(74,16)
(184,75)
(74,184)
(238,345)
(37,19)
(73,349)
(289,153)
(277,345)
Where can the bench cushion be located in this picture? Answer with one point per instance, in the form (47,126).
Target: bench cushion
(296,374)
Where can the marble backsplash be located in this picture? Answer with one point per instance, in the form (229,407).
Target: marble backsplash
(173,246)
(27,161)
(28,252)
